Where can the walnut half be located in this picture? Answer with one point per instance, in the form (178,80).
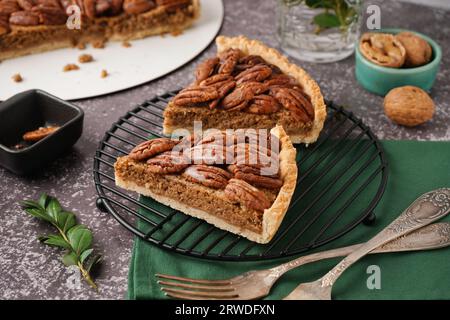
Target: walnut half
(382,49)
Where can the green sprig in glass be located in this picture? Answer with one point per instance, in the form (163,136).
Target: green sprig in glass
(336,14)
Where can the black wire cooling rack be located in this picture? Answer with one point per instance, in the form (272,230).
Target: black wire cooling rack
(341,179)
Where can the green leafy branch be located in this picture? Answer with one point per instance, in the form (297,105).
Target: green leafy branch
(75,239)
(337,13)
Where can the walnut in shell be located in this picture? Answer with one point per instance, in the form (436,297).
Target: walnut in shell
(382,49)
(418,51)
(408,106)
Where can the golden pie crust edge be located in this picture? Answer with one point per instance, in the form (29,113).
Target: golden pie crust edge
(51,44)
(271,55)
(272,217)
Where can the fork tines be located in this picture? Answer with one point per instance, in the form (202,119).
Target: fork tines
(196,289)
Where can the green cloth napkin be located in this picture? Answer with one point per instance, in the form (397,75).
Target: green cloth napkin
(415,168)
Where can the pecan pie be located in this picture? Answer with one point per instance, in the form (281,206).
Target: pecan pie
(248,85)
(31,26)
(227,179)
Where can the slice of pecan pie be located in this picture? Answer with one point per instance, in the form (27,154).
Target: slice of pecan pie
(249,85)
(31,26)
(242,183)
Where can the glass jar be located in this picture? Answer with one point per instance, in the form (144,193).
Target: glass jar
(319,30)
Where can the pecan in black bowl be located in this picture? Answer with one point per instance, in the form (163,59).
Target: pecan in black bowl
(36,128)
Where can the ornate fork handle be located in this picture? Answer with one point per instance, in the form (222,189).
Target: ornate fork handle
(428,208)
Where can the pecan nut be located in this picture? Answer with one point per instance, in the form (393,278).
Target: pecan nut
(294,101)
(151,148)
(239,191)
(206,69)
(255,155)
(49,15)
(238,99)
(223,84)
(173,5)
(102,7)
(263,104)
(208,176)
(218,138)
(255,87)
(216,80)
(67,3)
(167,163)
(137,6)
(116,6)
(24,18)
(211,154)
(4,24)
(49,3)
(281,80)
(253,176)
(249,61)
(194,95)
(229,59)
(9,6)
(89,8)
(382,49)
(26,4)
(41,133)
(257,73)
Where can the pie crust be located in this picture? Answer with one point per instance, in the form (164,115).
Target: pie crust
(272,56)
(271,217)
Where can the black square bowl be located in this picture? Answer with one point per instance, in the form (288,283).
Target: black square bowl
(27,111)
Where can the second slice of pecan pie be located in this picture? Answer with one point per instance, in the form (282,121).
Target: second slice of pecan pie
(249,85)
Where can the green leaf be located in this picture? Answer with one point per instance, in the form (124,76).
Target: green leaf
(85,254)
(29,204)
(53,209)
(326,20)
(92,261)
(65,220)
(70,259)
(80,238)
(55,240)
(38,213)
(43,200)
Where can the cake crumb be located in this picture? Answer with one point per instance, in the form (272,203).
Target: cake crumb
(85,58)
(70,67)
(81,46)
(176,33)
(126,44)
(104,73)
(17,77)
(99,44)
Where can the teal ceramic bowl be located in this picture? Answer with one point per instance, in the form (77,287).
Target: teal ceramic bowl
(381,80)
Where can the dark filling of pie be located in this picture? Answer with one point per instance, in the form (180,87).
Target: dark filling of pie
(221,174)
(234,82)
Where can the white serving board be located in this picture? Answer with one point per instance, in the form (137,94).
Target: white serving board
(146,60)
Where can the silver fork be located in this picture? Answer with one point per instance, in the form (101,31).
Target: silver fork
(257,284)
(427,208)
